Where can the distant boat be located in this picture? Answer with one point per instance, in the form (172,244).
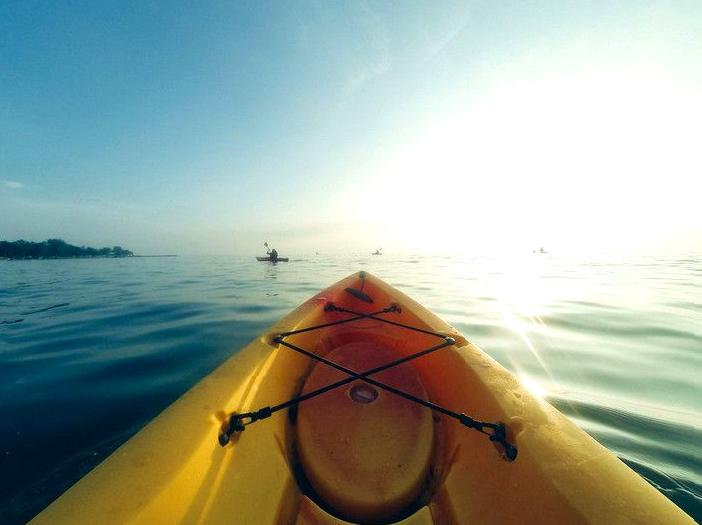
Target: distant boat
(268,259)
(377,252)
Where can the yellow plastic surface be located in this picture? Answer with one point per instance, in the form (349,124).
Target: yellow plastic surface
(365,451)
(174,471)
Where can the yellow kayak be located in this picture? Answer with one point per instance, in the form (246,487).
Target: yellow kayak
(361,406)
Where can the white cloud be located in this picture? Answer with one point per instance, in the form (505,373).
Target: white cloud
(12,184)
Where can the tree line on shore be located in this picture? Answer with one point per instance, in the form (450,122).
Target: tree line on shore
(55,248)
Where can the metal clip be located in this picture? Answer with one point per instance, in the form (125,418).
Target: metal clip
(238,423)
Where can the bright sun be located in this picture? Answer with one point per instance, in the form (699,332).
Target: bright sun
(581,161)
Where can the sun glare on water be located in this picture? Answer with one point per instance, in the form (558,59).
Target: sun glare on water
(533,386)
(521,296)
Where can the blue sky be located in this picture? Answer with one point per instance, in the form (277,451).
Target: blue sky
(416,126)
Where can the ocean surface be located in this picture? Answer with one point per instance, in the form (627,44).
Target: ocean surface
(92,349)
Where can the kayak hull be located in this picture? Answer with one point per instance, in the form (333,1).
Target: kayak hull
(174,471)
(268,259)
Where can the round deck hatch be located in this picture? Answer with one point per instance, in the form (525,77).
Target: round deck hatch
(364,450)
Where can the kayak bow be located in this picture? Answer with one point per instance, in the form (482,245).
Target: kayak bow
(355,411)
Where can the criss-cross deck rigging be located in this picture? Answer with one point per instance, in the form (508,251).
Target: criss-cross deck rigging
(496,432)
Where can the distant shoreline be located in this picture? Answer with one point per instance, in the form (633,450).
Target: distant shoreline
(85,257)
(57,249)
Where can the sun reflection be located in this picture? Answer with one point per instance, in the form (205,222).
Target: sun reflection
(533,386)
(522,296)
(520,327)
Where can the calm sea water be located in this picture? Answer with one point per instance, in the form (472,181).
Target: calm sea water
(91,350)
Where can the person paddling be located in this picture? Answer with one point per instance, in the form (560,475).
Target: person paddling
(272,253)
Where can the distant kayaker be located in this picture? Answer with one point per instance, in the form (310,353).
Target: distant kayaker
(271,252)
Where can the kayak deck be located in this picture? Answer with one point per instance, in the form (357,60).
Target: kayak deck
(279,259)
(333,458)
